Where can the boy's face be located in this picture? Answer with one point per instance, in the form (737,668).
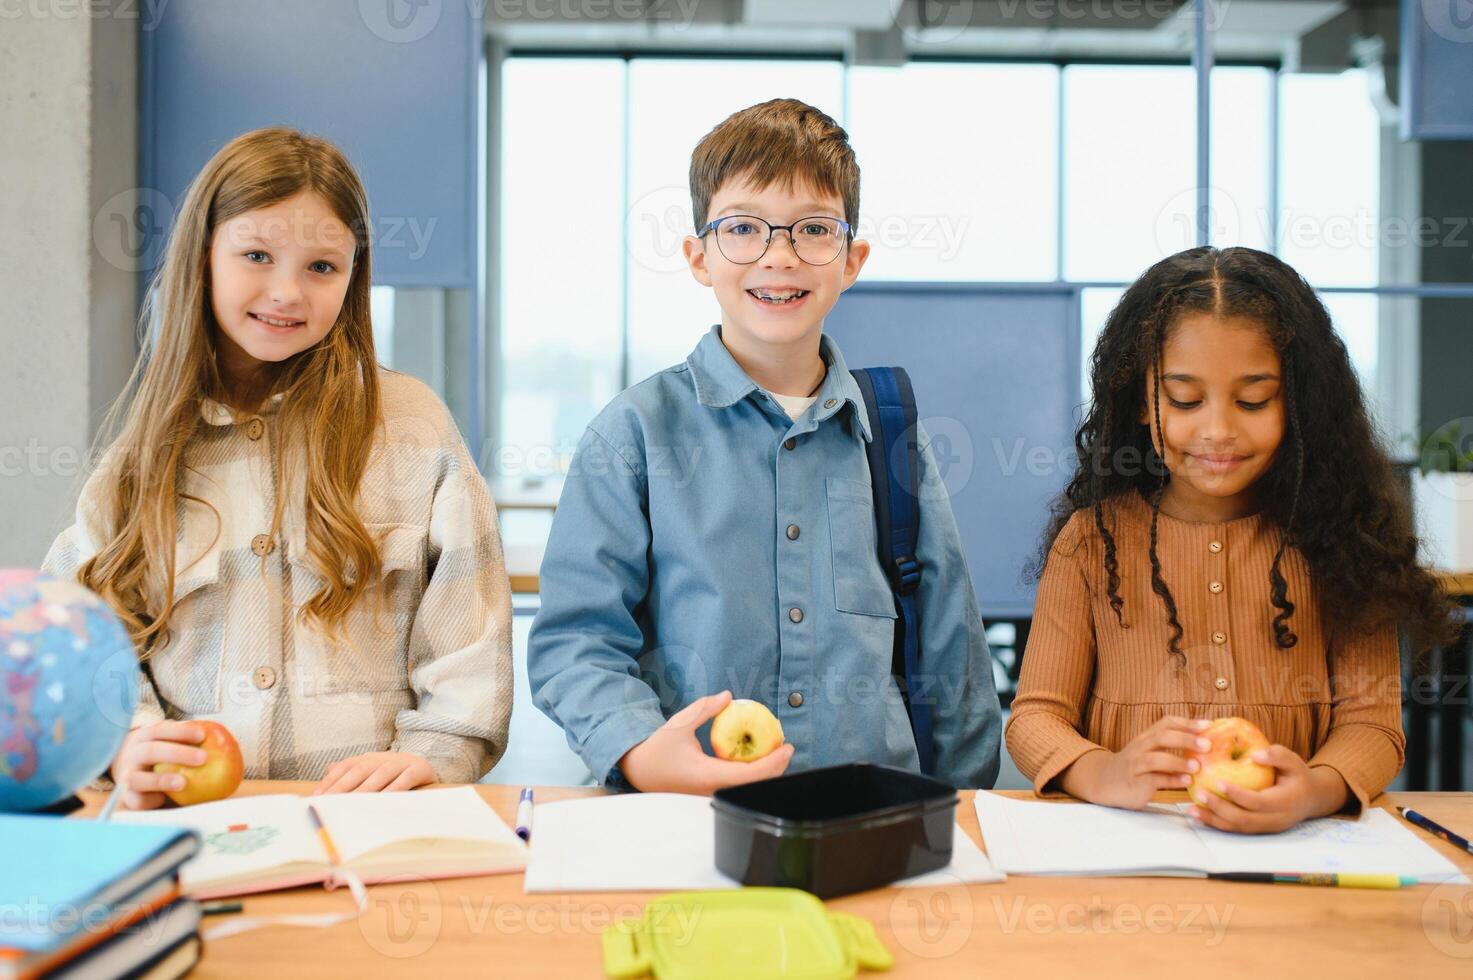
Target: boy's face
(779,300)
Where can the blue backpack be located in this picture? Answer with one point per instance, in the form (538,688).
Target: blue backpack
(890,403)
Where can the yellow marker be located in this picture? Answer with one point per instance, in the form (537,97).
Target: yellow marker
(332,852)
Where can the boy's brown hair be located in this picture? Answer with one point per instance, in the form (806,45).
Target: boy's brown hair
(782,140)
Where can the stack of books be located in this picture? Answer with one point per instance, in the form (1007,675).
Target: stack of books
(79,898)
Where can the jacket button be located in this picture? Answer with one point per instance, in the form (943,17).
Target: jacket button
(262,545)
(793,532)
(1219,638)
(1222,683)
(831,403)
(790,444)
(1214,587)
(1215,547)
(255,429)
(264,678)
(795,614)
(795,699)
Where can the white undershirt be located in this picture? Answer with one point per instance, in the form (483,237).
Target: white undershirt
(794,405)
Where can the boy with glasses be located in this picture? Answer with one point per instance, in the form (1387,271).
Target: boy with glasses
(716,535)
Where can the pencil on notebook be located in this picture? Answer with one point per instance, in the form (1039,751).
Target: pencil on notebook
(333,857)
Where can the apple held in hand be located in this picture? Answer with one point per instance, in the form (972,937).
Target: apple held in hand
(217,777)
(1234,740)
(745,731)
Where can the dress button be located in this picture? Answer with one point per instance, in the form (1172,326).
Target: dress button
(1221,683)
(795,699)
(831,403)
(262,545)
(264,678)
(1219,638)
(1214,587)
(793,532)
(795,614)
(255,429)
(1215,547)
(790,445)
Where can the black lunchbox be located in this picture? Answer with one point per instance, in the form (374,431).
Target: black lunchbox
(834,831)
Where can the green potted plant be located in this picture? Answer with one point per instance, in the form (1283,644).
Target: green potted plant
(1442,497)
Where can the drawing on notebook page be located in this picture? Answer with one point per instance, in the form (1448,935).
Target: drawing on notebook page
(241,840)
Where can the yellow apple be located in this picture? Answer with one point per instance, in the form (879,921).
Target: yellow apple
(217,777)
(1234,740)
(745,731)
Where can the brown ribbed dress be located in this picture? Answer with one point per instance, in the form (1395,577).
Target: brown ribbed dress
(1088,683)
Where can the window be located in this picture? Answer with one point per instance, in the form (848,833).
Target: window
(958,184)
(1085,172)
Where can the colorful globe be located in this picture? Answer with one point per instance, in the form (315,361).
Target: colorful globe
(68,685)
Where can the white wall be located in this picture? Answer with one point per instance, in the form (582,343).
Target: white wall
(68,118)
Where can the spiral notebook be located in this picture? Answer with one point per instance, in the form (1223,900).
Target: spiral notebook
(264,843)
(1041,838)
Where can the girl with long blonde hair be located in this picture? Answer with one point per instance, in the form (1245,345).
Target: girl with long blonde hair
(298,540)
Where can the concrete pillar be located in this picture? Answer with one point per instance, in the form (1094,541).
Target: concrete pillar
(68,236)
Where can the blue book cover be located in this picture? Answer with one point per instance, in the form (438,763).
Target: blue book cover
(61,877)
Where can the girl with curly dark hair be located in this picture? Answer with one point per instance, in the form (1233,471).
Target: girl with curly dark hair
(1233,542)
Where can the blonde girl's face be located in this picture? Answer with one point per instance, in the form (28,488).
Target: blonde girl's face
(1222,411)
(278,276)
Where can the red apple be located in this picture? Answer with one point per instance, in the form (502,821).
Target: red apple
(1234,740)
(217,777)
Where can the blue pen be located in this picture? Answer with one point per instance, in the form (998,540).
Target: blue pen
(524,815)
(1435,829)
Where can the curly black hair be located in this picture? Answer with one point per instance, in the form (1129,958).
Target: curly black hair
(1330,487)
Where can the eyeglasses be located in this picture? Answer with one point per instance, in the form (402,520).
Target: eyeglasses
(745,238)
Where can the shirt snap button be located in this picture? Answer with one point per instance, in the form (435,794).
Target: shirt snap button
(793,532)
(795,614)
(795,699)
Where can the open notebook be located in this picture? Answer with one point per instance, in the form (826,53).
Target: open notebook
(1038,838)
(262,843)
(667,842)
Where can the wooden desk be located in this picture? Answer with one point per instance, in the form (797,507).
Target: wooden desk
(1093,928)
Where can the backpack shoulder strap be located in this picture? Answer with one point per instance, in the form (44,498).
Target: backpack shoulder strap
(894,465)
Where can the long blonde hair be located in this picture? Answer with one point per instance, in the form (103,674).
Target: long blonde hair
(327,418)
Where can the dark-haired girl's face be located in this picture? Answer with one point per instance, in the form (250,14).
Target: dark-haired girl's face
(1222,415)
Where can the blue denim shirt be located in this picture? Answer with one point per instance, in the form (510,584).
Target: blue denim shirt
(706,541)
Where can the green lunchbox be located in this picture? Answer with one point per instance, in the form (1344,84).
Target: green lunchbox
(742,934)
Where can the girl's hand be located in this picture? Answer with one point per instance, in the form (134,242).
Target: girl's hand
(1297,794)
(162,741)
(375,771)
(672,760)
(1149,762)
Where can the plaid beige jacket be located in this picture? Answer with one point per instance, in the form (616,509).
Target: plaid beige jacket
(426,666)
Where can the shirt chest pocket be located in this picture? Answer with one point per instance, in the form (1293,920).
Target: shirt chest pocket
(186,672)
(860,585)
(371,654)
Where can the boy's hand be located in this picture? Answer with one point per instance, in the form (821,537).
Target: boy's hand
(672,760)
(162,741)
(1297,794)
(375,771)
(1149,762)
